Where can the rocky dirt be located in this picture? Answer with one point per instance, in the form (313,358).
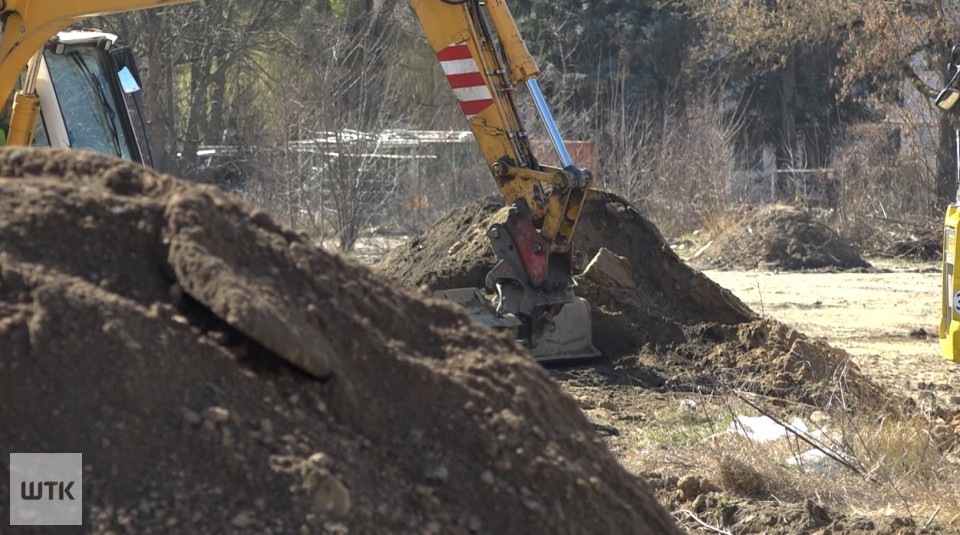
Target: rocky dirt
(669,333)
(220,374)
(668,326)
(779,238)
(887,319)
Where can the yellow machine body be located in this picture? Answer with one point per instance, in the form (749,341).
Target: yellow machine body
(950,306)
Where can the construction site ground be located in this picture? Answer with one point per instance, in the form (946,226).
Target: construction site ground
(886,319)
(220,373)
(687,352)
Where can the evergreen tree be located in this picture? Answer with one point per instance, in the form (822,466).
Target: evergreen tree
(599,51)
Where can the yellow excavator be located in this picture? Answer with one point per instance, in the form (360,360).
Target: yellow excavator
(948,100)
(487,65)
(88,90)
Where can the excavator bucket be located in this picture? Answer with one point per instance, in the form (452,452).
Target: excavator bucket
(562,334)
(565,334)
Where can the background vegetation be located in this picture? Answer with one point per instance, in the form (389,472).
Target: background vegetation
(695,107)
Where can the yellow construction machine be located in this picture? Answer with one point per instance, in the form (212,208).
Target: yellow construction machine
(948,100)
(88,88)
(487,65)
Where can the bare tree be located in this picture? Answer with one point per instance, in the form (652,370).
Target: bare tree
(362,95)
(325,165)
(884,49)
(203,66)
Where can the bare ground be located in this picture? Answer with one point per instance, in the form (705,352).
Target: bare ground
(683,355)
(219,375)
(886,320)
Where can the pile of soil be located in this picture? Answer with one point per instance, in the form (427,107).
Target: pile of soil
(669,328)
(219,373)
(455,252)
(670,335)
(917,241)
(779,238)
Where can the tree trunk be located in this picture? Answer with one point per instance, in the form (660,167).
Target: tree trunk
(788,109)
(159,101)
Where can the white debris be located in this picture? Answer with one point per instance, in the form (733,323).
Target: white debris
(763,428)
(703,249)
(816,461)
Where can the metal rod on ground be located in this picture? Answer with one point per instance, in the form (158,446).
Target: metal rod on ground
(804,437)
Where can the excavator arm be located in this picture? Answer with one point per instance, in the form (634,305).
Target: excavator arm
(486,62)
(485,73)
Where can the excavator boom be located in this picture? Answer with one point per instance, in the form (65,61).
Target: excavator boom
(487,63)
(27,24)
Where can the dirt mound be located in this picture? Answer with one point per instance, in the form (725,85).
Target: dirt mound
(669,327)
(455,252)
(762,357)
(150,324)
(919,241)
(772,359)
(779,238)
(667,294)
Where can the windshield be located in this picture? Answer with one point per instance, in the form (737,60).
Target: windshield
(89,111)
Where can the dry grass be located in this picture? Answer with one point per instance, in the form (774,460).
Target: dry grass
(739,475)
(900,466)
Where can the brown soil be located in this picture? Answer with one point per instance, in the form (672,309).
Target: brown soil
(675,330)
(779,238)
(151,325)
(671,334)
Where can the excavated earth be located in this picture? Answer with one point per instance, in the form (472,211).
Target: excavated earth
(220,374)
(667,333)
(779,238)
(663,325)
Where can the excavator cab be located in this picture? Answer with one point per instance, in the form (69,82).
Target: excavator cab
(949,96)
(88,89)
